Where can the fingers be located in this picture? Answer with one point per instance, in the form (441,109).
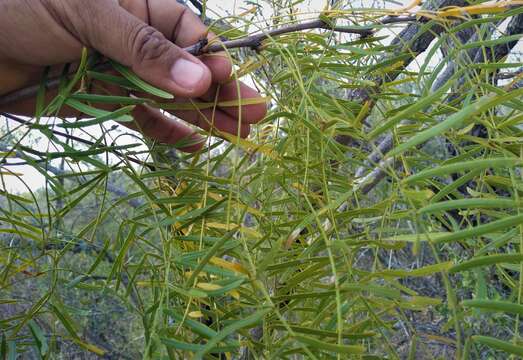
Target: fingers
(210,119)
(152,123)
(181,26)
(176,21)
(250,114)
(119,35)
(220,66)
(122,33)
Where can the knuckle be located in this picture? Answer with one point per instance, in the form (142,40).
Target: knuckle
(177,26)
(65,13)
(148,44)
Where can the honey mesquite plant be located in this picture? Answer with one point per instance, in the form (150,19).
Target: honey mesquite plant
(374,213)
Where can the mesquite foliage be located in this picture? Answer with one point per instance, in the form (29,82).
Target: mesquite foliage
(374,213)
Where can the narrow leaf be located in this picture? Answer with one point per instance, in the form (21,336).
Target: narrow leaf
(144,86)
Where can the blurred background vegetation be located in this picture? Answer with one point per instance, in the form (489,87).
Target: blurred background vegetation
(374,213)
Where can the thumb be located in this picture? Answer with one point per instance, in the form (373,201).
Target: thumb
(119,35)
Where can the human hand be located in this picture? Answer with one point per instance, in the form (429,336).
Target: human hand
(146,35)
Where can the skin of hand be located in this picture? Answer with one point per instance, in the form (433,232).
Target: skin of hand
(145,35)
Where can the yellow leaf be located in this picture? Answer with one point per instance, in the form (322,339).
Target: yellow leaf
(245,101)
(441,339)
(250,146)
(228,227)
(208,286)
(228,265)
(392,67)
(253,211)
(235,294)
(423,271)
(89,347)
(419,196)
(10,154)
(486,8)
(181,187)
(195,314)
(212,287)
(466,129)
(408,7)
(266,131)
(363,112)
(92,348)
(249,66)
(250,11)
(211,105)
(214,196)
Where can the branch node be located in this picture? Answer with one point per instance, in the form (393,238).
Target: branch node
(256,44)
(201,44)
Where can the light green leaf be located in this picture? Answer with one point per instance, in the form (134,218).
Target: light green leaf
(142,85)
(499,344)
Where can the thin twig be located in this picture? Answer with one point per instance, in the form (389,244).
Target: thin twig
(72,137)
(254,41)
(31,91)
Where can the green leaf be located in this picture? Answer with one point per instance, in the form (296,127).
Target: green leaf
(195,326)
(12,353)
(499,344)
(101,116)
(118,262)
(209,254)
(112,79)
(7,349)
(39,337)
(322,333)
(490,43)
(68,324)
(142,85)
(248,321)
(108,99)
(487,260)
(3,347)
(180,345)
(453,121)
(424,271)
(497,306)
(468,204)
(377,290)
(410,111)
(341,349)
(463,166)
(482,229)
(65,319)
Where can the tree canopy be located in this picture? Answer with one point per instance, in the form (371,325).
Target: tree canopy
(375,212)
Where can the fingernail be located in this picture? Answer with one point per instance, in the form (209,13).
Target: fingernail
(186,73)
